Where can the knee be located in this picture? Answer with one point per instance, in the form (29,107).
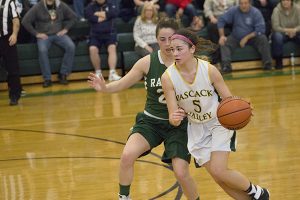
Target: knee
(170,10)
(127,159)
(190,9)
(182,173)
(93,50)
(277,37)
(112,49)
(218,173)
(71,47)
(43,50)
(263,39)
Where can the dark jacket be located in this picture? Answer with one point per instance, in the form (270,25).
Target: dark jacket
(107,26)
(37,19)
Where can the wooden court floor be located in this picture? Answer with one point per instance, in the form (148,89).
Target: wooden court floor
(65,142)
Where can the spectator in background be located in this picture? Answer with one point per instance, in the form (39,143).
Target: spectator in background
(101,15)
(176,8)
(49,21)
(248,28)
(213,9)
(144,30)
(286,27)
(10,24)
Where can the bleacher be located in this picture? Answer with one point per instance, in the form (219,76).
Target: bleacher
(30,70)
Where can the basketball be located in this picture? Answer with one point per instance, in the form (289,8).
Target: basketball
(234,113)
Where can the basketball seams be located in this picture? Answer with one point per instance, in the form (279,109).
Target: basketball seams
(234,112)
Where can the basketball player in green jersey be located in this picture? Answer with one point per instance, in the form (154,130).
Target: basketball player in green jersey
(152,126)
(190,86)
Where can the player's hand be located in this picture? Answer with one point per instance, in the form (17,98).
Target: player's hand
(97,82)
(177,116)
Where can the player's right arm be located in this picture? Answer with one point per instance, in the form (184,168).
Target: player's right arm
(137,72)
(176,114)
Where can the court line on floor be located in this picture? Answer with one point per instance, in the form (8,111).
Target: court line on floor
(173,187)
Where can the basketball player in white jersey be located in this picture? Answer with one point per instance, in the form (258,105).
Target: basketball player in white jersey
(190,86)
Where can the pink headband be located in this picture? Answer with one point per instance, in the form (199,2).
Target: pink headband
(183,38)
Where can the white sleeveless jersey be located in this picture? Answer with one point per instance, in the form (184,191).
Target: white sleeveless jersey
(198,99)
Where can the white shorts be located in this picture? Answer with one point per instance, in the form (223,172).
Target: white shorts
(204,138)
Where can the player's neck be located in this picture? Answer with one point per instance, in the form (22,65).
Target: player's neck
(167,59)
(189,67)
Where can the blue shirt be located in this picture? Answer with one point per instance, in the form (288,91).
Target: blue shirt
(243,23)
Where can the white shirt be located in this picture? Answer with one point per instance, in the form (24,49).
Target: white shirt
(198,99)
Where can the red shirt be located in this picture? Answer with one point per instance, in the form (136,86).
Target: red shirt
(180,3)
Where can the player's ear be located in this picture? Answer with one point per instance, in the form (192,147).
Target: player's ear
(193,49)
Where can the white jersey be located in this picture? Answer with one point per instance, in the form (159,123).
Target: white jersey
(198,99)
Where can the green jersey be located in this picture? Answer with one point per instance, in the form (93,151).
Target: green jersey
(156,104)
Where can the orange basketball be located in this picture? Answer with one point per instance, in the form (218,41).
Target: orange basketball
(234,113)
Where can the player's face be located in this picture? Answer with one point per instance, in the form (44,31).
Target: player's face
(164,39)
(182,52)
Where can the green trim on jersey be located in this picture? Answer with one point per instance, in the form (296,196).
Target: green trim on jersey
(156,102)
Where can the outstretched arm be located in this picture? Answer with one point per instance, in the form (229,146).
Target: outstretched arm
(176,114)
(137,72)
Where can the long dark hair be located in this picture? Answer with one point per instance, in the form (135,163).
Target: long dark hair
(204,47)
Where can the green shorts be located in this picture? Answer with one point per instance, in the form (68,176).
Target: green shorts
(156,131)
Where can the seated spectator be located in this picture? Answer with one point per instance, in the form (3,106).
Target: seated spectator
(176,8)
(101,15)
(248,28)
(144,30)
(213,9)
(286,27)
(49,21)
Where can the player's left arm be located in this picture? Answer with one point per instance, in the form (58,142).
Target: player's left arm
(218,82)
(176,114)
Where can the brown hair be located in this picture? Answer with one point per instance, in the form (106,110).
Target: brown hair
(203,46)
(166,22)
